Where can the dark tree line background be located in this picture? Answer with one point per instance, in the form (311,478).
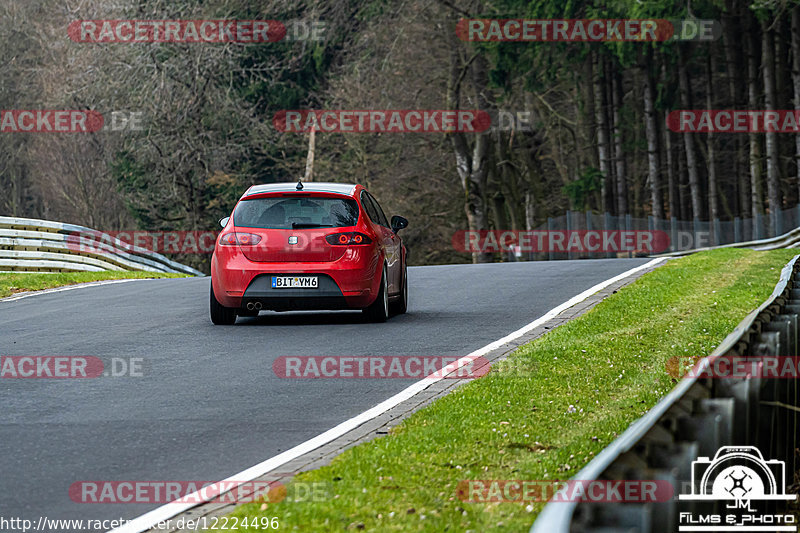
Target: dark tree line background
(597,139)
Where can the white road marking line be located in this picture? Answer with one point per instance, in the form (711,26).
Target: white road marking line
(161,514)
(73,287)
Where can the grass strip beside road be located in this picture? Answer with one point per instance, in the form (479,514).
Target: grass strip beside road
(15,282)
(542,414)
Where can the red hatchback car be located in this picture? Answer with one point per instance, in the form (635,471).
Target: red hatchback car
(308,246)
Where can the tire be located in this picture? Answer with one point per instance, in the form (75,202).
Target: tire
(221,315)
(400,306)
(379,310)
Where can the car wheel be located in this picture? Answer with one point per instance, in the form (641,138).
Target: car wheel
(401,305)
(221,315)
(379,310)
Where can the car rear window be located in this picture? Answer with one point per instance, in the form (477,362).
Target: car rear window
(296,212)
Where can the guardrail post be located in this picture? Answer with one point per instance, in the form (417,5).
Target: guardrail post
(589,228)
(549,238)
(768,343)
(695,231)
(785,390)
(718,424)
(791,395)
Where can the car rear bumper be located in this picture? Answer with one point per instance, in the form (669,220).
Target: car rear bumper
(327,295)
(348,283)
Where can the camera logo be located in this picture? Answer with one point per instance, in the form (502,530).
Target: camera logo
(737,475)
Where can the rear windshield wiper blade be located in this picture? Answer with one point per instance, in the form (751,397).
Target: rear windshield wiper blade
(296,225)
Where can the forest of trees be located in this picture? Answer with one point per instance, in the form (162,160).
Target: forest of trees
(597,138)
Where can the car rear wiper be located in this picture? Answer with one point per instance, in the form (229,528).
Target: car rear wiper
(296,225)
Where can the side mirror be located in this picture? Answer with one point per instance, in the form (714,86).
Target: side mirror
(398,223)
(224,221)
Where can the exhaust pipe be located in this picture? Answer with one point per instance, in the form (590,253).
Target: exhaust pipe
(250,306)
(258,306)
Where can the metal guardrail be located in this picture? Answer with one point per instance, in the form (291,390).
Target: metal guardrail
(30,245)
(790,239)
(695,419)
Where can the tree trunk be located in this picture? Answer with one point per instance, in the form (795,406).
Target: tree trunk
(651,127)
(672,180)
(509,181)
(638,197)
(688,137)
(17,180)
(773,177)
(733,59)
(499,217)
(309,175)
(530,211)
(782,68)
(684,207)
(589,111)
(471,165)
(620,163)
(603,145)
(755,145)
(672,193)
(713,204)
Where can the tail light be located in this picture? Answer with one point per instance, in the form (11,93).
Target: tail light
(237,237)
(348,239)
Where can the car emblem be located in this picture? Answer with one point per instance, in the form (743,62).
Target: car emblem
(293,240)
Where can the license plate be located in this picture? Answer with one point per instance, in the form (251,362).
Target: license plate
(296,282)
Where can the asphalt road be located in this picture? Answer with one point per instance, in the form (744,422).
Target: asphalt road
(208,404)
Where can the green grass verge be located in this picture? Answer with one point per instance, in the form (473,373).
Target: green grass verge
(516,423)
(12,283)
